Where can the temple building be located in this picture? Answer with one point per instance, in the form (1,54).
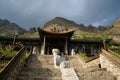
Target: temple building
(59,39)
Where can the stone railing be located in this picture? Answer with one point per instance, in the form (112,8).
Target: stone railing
(11,70)
(64,65)
(111,63)
(69,74)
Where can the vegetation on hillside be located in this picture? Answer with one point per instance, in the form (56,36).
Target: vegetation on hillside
(114,47)
(6,55)
(82,32)
(8,52)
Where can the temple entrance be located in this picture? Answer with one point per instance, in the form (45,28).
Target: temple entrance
(52,43)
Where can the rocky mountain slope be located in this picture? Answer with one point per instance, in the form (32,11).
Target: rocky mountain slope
(7,28)
(114,32)
(60,22)
(116,28)
(32,33)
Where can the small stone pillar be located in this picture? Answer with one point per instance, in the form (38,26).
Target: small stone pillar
(73,52)
(55,52)
(58,59)
(15,39)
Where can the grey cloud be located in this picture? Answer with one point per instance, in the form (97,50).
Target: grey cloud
(29,13)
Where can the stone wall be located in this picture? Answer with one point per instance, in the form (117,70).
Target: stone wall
(93,63)
(14,73)
(110,66)
(11,70)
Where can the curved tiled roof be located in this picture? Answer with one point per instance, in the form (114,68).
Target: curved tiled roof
(55,32)
(67,33)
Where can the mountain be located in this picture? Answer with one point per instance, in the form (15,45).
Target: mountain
(81,31)
(60,22)
(7,28)
(31,33)
(114,32)
(116,28)
(32,30)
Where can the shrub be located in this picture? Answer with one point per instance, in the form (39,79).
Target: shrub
(8,52)
(27,55)
(84,56)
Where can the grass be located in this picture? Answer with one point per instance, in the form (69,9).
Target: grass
(84,56)
(115,48)
(27,54)
(3,63)
(115,51)
(8,52)
(88,58)
(88,38)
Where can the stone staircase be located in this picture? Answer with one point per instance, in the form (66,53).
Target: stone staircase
(40,68)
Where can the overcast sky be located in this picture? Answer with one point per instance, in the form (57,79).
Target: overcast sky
(34,13)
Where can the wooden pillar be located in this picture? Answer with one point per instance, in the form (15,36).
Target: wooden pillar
(92,50)
(48,50)
(104,45)
(15,39)
(66,46)
(43,46)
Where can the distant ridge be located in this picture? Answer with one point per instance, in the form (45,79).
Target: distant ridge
(7,28)
(117,23)
(60,22)
(116,28)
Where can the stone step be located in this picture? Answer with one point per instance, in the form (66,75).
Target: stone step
(40,66)
(45,56)
(39,72)
(41,69)
(38,78)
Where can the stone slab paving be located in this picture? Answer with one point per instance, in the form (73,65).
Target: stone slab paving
(69,74)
